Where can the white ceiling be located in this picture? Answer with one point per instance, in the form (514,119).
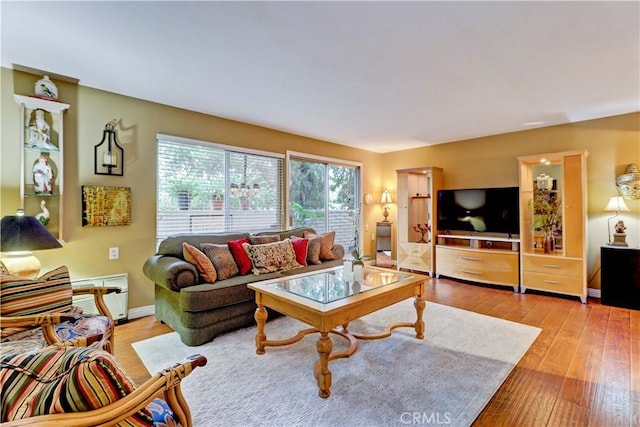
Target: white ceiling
(382,76)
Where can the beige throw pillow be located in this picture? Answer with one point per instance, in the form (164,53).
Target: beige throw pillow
(326,244)
(202,263)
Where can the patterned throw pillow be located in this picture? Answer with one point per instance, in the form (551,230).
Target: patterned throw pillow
(202,263)
(51,292)
(326,245)
(222,260)
(300,247)
(271,257)
(240,256)
(60,381)
(261,240)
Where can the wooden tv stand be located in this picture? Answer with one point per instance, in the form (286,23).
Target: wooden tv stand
(483,259)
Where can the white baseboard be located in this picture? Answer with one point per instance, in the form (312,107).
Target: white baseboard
(593,293)
(136,313)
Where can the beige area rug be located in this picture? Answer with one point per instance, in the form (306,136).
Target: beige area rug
(447,378)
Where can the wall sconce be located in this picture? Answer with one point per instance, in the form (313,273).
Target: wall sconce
(616,204)
(385,200)
(19,235)
(109,155)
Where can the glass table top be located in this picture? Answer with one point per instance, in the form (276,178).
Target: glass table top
(330,286)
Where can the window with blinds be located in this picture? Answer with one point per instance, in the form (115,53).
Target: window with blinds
(206,188)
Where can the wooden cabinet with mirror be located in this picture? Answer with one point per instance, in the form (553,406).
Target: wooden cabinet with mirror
(42,160)
(553,223)
(417,208)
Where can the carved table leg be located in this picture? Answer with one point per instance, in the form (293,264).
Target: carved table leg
(419,304)
(261,318)
(324,347)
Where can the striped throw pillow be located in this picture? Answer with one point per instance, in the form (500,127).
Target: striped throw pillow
(73,379)
(49,293)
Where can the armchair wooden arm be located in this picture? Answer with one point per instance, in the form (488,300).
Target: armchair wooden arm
(165,384)
(98,293)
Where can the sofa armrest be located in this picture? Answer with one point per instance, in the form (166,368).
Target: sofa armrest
(338,251)
(171,272)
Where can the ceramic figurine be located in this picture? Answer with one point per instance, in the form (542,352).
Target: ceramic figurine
(43,176)
(45,88)
(40,132)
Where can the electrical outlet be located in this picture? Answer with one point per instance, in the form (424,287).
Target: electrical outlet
(373,236)
(114,253)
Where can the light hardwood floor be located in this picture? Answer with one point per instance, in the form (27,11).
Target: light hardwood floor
(583,369)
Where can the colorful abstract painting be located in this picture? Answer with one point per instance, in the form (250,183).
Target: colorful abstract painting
(105,206)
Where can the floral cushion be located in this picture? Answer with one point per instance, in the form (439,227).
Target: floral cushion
(162,414)
(271,257)
(74,379)
(85,326)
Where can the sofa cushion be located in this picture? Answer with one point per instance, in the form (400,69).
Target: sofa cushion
(271,257)
(172,245)
(262,239)
(326,245)
(201,261)
(222,260)
(313,250)
(66,380)
(298,232)
(240,256)
(300,247)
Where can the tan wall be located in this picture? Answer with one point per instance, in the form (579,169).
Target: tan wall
(86,248)
(613,143)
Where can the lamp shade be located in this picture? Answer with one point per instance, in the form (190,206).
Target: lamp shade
(25,233)
(616,204)
(386,197)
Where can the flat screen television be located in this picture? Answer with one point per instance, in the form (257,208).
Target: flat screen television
(481,210)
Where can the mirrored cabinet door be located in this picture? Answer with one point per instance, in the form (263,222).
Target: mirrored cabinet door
(553,223)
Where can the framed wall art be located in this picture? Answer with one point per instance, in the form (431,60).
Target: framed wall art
(105,206)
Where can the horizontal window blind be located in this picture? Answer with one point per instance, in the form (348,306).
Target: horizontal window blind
(207,188)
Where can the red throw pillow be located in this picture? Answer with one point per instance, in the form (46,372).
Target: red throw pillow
(240,255)
(300,248)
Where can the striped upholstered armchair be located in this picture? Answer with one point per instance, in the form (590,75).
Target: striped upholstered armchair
(35,313)
(81,387)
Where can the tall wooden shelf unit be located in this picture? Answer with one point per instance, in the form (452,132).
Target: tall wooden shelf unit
(31,154)
(417,204)
(559,267)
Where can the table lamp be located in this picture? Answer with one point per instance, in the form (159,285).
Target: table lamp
(385,200)
(19,235)
(616,204)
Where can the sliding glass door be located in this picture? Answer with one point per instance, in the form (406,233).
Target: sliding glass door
(324,195)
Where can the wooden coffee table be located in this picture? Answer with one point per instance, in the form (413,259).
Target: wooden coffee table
(325,301)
